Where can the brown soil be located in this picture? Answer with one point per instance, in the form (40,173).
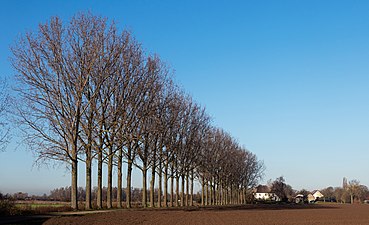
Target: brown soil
(329,214)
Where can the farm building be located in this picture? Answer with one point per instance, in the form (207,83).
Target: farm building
(263,193)
(317,195)
(311,197)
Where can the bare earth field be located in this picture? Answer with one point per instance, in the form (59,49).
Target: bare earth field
(324,214)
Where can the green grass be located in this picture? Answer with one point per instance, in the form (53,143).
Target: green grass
(10,208)
(38,205)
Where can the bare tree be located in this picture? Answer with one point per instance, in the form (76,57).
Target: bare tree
(100,147)
(4,106)
(129,97)
(132,73)
(146,134)
(328,193)
(353,190)
(281,189)
(363,193)
(341,194)
(168,155)
(109,45)
(252,172)
(55,67)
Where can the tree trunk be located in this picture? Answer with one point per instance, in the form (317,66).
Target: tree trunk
(89,154)
(231,196)
(172,189)
(203,191)
(211,193)
(119,180)
(74,191)
(187,188)
(206,193)
(238,196)
(244,195)
(99,179)
(226,196)
(129,179)
(152,188)
(177,191)
(88,180)
(191,191)
(225,193)
(160,184)
(183,190)
(218,194)
(166,186)
(144,186)
(109,197)
(221,193)
(214,196)
(88,168)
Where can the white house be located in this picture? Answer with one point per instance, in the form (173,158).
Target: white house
(268,196)
(263,193)
(310,198)
(317,195)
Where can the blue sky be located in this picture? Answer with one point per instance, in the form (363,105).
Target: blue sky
(288,79)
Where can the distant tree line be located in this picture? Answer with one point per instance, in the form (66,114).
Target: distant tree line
(350,192)
(88,93)
(22,196)
(63,194)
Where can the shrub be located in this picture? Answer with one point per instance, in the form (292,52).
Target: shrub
(7,207)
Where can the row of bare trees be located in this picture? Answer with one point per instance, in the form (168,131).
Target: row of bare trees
(89,93)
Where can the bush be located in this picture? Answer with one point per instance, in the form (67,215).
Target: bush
(7,207)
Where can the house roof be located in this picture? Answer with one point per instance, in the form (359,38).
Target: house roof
(316,192)
(262,189)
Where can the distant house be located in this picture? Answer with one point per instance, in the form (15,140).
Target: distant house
(317,195)
(263,193)
(311,197)
(299,198)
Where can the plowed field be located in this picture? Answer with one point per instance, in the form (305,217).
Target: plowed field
(321,214)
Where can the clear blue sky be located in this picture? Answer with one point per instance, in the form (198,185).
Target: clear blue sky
(288,79)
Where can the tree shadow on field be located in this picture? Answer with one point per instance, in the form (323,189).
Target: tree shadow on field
(23,220)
